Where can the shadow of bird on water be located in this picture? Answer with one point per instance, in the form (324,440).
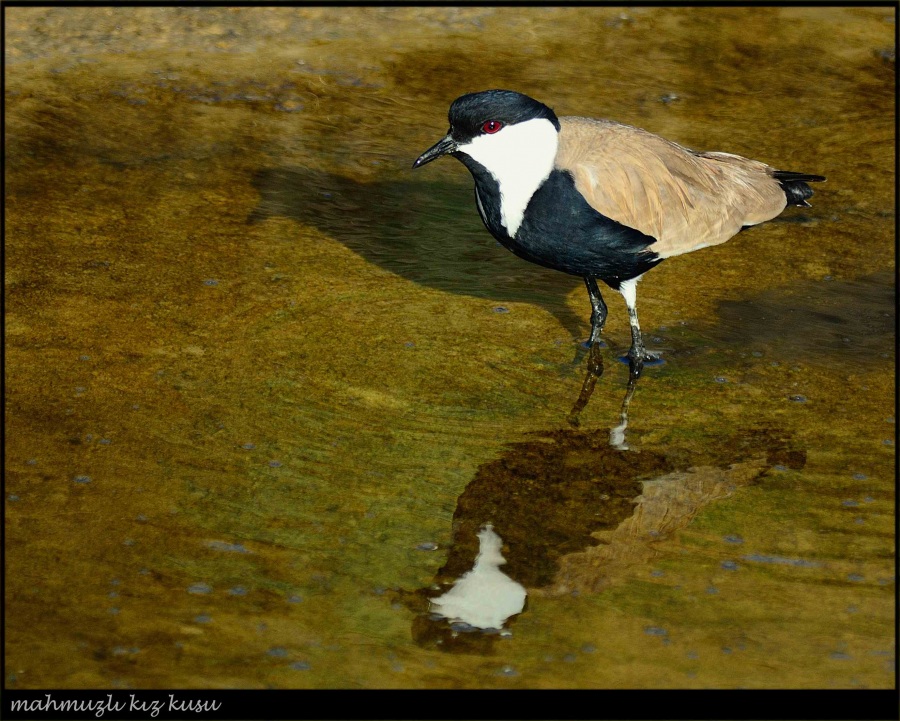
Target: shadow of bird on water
(426,232)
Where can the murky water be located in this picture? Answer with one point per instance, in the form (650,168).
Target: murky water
(265,386)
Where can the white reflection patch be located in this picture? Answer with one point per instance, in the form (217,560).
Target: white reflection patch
(485,596)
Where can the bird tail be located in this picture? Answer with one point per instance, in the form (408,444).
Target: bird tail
(795,185)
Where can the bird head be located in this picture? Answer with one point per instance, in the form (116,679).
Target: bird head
(496,128)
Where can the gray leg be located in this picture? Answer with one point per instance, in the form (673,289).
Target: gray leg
(636,354)
(598,309)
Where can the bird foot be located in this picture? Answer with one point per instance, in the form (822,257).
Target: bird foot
(638,359)
(645,357)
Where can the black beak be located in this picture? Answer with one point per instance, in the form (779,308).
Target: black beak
(441,147)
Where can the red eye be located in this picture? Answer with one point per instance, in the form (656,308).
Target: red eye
(492,126)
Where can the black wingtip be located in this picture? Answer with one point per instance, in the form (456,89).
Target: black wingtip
(795,186)
(790,177)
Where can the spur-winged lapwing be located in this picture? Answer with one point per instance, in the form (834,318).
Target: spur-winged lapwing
(599,199)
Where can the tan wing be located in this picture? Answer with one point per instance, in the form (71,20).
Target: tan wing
(685,200)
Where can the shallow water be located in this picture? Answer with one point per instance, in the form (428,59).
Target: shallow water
(265,385)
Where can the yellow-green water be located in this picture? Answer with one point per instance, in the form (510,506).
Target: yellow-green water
(264,384)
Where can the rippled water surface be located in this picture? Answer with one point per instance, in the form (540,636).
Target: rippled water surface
(269,392)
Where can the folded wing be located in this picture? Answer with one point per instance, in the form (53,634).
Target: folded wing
(686,200)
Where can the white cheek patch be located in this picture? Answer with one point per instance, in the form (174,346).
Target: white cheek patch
(520,157)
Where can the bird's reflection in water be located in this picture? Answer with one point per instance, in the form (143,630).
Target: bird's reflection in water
(485,597)
(594,372)
(573,509)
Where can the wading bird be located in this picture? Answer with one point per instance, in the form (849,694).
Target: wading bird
(603,200)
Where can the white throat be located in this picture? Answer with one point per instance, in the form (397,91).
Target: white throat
(520,158)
